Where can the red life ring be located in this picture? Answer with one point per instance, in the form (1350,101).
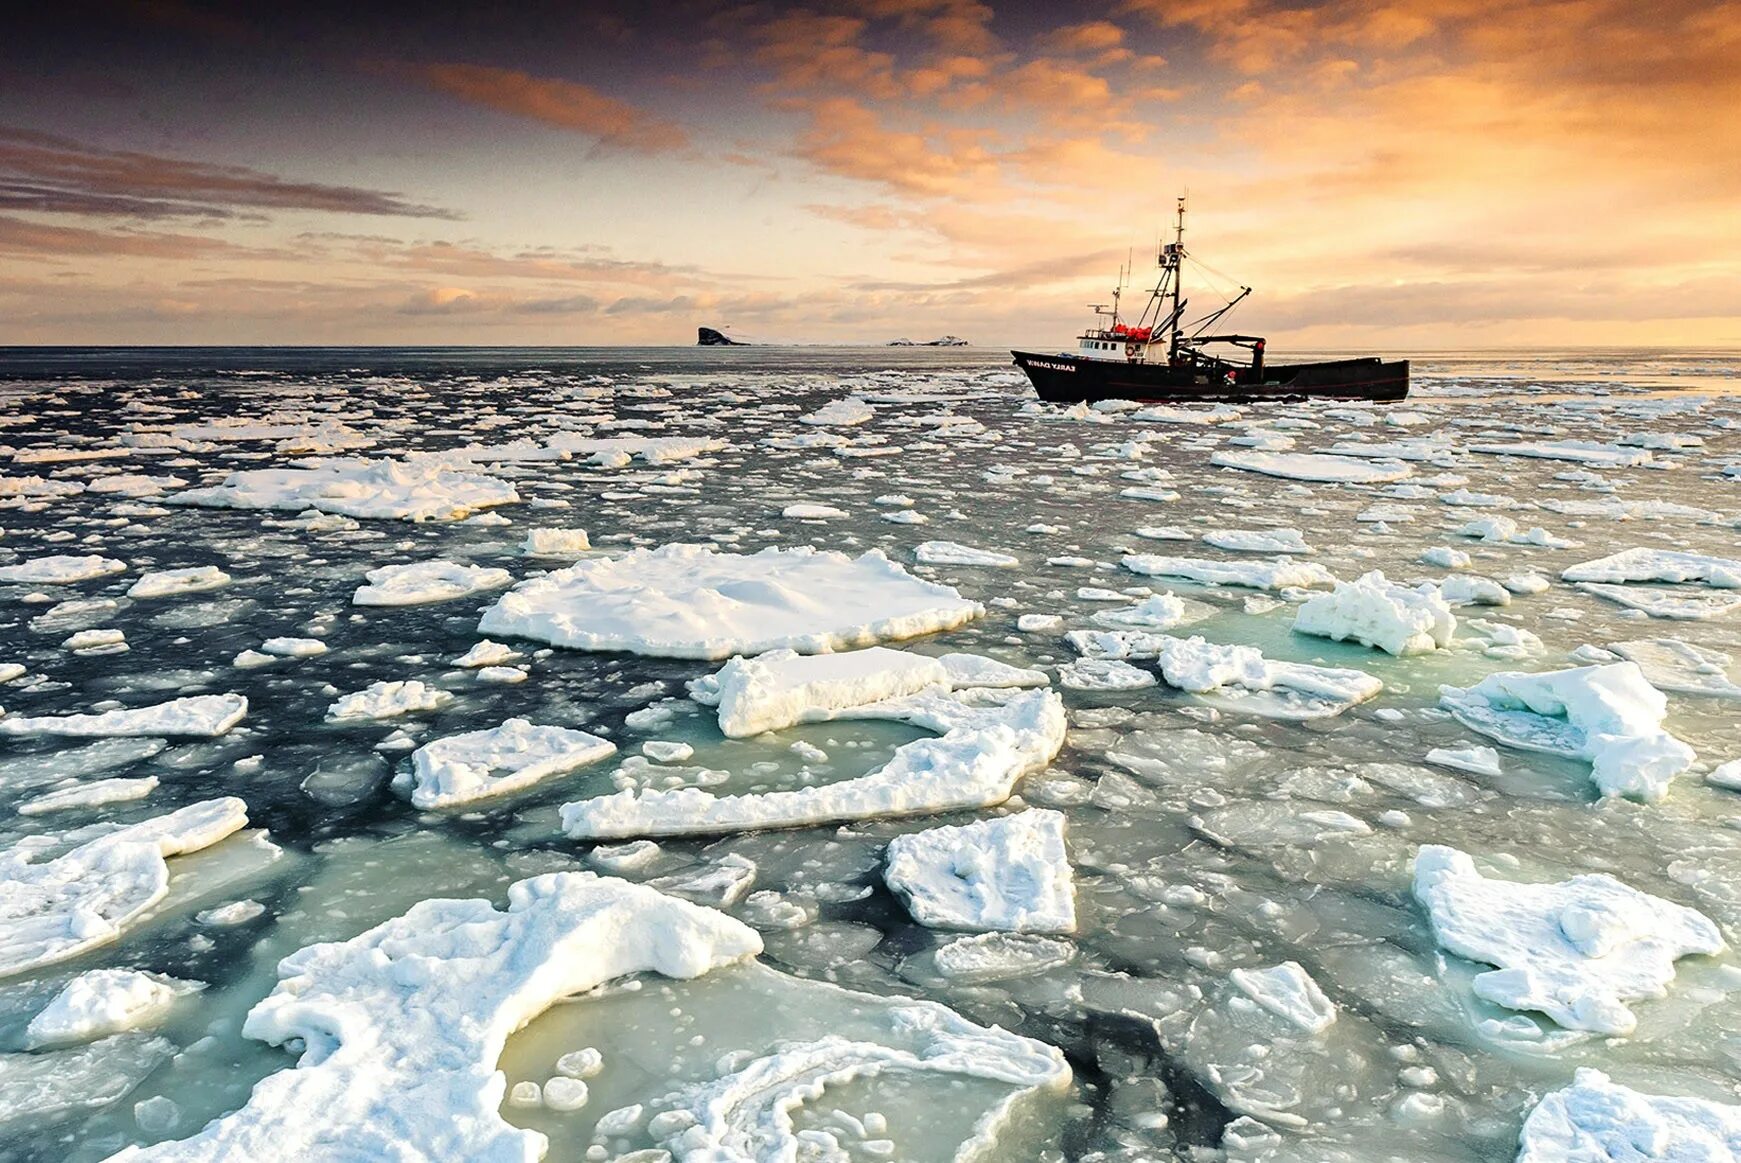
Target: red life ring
(1130,351)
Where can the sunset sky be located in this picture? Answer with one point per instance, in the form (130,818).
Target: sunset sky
(1446,173)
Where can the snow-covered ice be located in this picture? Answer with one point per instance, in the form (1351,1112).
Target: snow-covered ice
(461,769)
(426,489)
(691,601)
(61,569)
(101,1002)
(1009,873)
(1281,573)
(1577,951)
(427,581)
(200,716)
(1381,613)
(1311,466)
(1597,1120)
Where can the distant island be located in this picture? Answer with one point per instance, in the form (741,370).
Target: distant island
(713,337)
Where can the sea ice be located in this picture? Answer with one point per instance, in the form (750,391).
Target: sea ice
(1104,674)
(565,543)
(495,761)
(1288,992)
(1475,760)
(1237,677)
(399,1029)
(417,489)
(1670,664)
(1577,951)
(954,553)
(782,687)
(94,794)
(1010,873)
(1380,613)
(383,700)
(1609,715)
(55,909)
(987,743)
(60,569)
(193,580)
(690,601)
(100,1002)
(199,716)
(427,581)
(1660,565)
(1579,451)
(1309,466)
(1281,573)
(1595,1120)
(1258,540)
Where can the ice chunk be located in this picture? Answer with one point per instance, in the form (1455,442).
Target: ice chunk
(1288,992)
(996,956)
(1309,466)
(1670,604)
(1673,665)
(976,670)
(1260,575)
(193,580)
(293,647)
(809,512)
(844,412)
(781,688)
(1609,715)
(1010,874)
(555,543)
(417,489)
(1663,565)
(1579,451)
(384,700)
(1577,951)
(1238,677)
(954,553)
(1104,674)
(1476,760)
(985,747)
(1595,1120)
(101,1002)
(497,760)
(56,909)
(400,1028)
(94,794)
(1258,540)
(1380,613)
(487,653)
(427,581)
(201,716)
(690,601)
(60,570)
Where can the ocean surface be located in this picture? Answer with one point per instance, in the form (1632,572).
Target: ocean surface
(1211,832)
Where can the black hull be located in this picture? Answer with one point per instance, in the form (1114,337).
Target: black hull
(1069,379)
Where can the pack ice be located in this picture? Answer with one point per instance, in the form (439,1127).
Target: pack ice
(1010,874)
(691,601)
(1577,951)
(477,765)
(1609,715)
(1597,1120)
(54,909)
(991,733)
(417,489)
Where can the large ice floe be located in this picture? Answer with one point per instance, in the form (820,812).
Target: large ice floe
(199,716)
(691,601)
(1310,466)
(417,489)
(55,908)
(61,569)
(462,769)
(399,1032)
(419,582)
(1658,565)
(991,733)
(1372,610)
(1609,715)
(1577,951)
(1281,573)
(1010,873)
(1597,1120)
(1237,678)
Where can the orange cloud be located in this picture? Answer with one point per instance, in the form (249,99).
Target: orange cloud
(566,104)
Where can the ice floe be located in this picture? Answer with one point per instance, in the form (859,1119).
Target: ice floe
(200,716)
(1235,677)
(100,1002)
(782,687)
(1282,573)
(61,569)
(954,553)
(420,489)
(1310,466)
(193,580)
(1577,951)
(399,1029)
(427,581)
(1010,873)
(1660,565)
(1597,1120)
(57,908)
(1609,715)
(1288,992)
(1376,612)
(691,601)
(462,769)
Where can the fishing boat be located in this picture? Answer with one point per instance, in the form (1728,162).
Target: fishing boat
(1163,357)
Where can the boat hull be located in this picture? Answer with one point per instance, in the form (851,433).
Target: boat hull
(1069,379)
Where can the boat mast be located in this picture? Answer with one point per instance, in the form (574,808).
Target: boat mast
(1172,259)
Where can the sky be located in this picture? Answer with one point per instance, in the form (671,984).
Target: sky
(1385,175)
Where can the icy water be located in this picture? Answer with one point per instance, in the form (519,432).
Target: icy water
(1204,838)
